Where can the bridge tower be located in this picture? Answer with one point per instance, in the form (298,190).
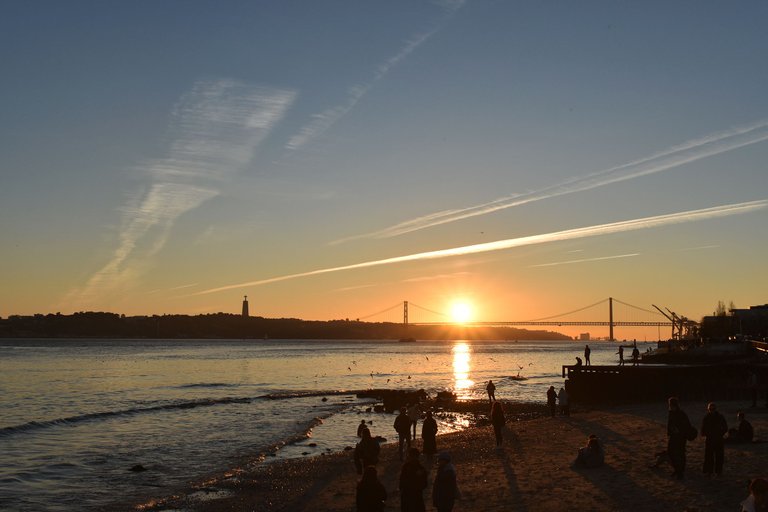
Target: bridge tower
(405,313)
(610,319)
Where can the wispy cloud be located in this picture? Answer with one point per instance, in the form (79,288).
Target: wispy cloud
(570,234)
(215,129)
(326,119)
(675,156)
(584,260)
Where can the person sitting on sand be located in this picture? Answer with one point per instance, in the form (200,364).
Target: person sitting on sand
(366,451)
(403,428)
(413,481)
(592,455)
(757,501)
(429,433)
(743,433)
(370,494)
(445,490)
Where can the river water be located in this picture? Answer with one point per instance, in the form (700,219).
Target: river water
(77,415)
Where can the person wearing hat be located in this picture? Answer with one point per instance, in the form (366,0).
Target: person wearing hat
(445,490)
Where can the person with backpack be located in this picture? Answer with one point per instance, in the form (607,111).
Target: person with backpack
(679,430)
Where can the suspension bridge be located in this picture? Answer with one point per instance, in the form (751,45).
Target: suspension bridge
(634,316)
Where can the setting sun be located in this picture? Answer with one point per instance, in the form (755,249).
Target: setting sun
(461,312)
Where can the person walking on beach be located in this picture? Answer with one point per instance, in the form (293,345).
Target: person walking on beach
(587,352)
(621,355)
(403,428)
(678,430)
(491,389)
(562,398)
(429,433)
(370,494)
(713,428)
(413,481)
(366,451)
(445,489)
(413,414)
(551,400)
(635,356)
(497,420)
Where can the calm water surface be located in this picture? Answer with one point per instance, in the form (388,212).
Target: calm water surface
(76,415)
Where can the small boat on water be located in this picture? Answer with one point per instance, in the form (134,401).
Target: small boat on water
(517,377)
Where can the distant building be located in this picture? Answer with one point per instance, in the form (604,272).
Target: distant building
(584,336)
(245,307)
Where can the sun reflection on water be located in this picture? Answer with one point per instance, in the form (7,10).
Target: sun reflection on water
(461,366)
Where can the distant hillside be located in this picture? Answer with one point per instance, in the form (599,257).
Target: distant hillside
(228,326)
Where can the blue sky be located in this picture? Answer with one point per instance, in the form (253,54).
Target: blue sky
(170,157)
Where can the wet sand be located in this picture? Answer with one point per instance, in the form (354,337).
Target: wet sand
(531,472)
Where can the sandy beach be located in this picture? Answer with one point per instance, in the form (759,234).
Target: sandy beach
(531,472)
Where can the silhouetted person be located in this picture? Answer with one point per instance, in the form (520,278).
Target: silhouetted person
(621,355)
(366,451)
(564,400)
(678,430)
(497,420)
(592,455)
(635,356)
(578,361)
(370,493)
(743,433)
(587,352)
(491,389)
(403,428)
(713,428)
(362,426)
(429,433)
(757,501)
(551,400)
(413,481)
(445,490)
(413,414)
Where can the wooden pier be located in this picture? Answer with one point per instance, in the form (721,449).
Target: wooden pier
(646,382)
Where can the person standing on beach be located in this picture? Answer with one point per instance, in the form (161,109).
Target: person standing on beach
(635,356)
(497,420)
(413,414)
(366,451)
(678,430)
(429,433)
(551,400)
(713,428)
(491,389)
(587,352)
(621,355)
(413,481)
(370,494)
(445,489)
(562,397)
(403,428)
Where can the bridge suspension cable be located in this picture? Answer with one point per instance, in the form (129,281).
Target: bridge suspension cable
(656,313)
(398,306)
(429,310)
(569,312)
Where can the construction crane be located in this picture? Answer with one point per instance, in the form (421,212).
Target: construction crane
(682,327)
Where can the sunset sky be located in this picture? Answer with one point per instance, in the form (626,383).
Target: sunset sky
(330,159)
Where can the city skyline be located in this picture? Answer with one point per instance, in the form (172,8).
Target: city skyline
(504,161)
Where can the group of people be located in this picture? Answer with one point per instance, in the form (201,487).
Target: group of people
(371,494)
(714,430)
(553,397)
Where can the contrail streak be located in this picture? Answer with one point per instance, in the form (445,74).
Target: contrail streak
(570,234)
(584,260)
(675,156)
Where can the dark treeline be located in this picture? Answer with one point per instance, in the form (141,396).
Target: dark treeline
(229,326)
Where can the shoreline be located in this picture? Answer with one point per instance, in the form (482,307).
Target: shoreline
(531,472)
